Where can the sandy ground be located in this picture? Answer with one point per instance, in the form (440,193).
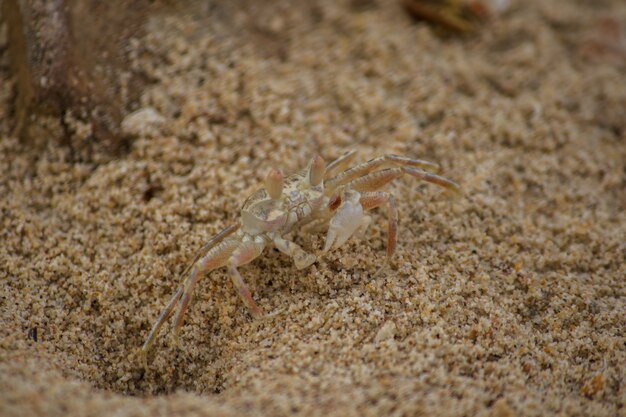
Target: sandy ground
(509,299)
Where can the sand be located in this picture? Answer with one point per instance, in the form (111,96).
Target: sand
(509,299)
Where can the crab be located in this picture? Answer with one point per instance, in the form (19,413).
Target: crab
(334,198)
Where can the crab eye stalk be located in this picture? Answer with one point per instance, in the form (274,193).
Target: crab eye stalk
(317,170)
(274,183)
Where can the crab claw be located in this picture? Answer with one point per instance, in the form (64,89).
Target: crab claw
(346,220)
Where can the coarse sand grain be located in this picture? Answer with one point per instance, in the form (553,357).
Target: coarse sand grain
(509,299)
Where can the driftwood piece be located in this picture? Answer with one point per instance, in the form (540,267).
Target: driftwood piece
(73,80)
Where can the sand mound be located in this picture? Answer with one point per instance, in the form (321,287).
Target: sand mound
(509,299)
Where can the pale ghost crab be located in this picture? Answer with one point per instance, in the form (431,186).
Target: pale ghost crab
(332,197)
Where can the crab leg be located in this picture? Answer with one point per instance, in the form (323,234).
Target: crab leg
(347,217)
(165,314)
(316,225)
(376,199)
(301,258)
(340,164)
(378,179)
(375,180)
(244,254)
(200,264)
(372,165)
(216,258)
